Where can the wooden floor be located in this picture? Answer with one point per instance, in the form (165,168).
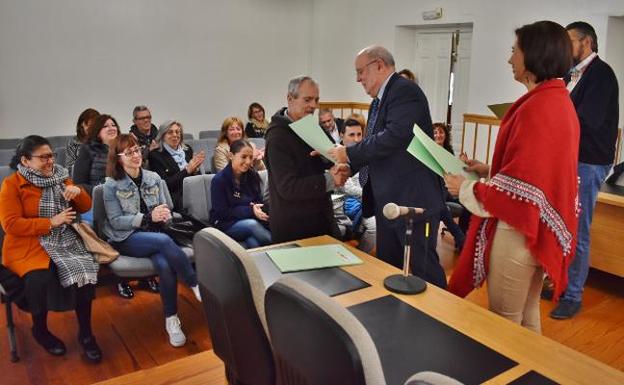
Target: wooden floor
(132,336)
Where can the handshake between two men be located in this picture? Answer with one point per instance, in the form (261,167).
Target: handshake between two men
(340,171)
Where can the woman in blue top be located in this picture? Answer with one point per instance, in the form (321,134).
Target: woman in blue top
(236,199)
(136,209)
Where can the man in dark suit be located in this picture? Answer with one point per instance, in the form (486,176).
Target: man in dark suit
(300,185)
(388,173)
(332,126)
(594,91)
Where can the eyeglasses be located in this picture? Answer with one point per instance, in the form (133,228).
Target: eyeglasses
(45,157)
(132,151)
(359,71)
(148,117)
(174,132)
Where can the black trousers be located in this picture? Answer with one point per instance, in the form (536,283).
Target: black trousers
(425,262)
(43,292)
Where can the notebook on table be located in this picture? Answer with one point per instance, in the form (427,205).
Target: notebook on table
(312,257)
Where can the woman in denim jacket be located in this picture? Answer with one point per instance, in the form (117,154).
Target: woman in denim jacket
(136,209)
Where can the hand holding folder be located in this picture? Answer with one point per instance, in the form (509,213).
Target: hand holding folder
(308,129)
(436,157)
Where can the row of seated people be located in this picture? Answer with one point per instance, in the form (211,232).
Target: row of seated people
(40,201)
(136,209)
(163,152)
(135,206)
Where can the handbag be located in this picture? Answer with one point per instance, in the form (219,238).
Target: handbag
(101,250)
(182,229)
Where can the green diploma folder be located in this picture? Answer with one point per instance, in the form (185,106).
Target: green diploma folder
(434,156)
(312,257)
(309,130)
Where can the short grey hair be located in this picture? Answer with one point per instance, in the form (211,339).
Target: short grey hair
(324,111)
(294,84)
(378,52)
(138,109)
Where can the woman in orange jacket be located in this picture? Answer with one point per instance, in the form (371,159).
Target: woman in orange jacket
(39,202)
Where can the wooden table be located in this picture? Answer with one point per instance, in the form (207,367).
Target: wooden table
(607,234)
(532,351)
(199,369)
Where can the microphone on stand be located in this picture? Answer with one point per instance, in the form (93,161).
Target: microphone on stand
(405,283)
(393,211)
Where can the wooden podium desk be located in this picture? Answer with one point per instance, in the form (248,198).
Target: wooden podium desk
(607,231)
(532,351)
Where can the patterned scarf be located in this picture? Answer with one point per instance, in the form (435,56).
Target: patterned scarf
(75,265)
(534,188)
(178,155)
(260,126)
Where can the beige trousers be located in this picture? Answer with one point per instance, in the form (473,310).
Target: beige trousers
(514,279)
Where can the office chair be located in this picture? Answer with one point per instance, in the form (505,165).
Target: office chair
(316,340)
(229,283)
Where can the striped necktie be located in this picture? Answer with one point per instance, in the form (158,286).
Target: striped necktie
(370,131)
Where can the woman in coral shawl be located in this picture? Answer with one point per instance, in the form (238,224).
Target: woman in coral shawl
(525,215)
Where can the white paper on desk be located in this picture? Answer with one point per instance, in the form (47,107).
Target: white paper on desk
(446,161)
(308,129)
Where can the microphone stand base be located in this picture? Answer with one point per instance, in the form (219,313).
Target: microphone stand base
(405,285)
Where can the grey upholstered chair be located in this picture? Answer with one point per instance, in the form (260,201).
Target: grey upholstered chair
(232,296)
(209,134)
(316,340)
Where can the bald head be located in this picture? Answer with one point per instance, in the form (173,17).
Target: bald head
(373,65)
(378,52)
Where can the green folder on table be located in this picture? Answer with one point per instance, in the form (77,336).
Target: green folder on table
(434,156)
(308,129)
(312,257)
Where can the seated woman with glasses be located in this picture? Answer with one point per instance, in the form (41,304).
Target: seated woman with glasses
(173,160)
(136,209)
(90,171)
(237,199)
(38,203)
(231,131)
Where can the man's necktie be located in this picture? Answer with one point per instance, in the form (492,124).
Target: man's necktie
(370,130)
(575,75)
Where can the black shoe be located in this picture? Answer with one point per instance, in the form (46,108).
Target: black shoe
(150,284)
(124,290)
(547,293)
(566,309)
(548,289)
(91,349)
(50,342)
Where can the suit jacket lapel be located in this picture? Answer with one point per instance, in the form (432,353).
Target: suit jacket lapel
(382,103)
(586,75)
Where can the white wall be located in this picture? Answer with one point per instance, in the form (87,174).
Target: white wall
(342,30)
(614,55)
(198,61)
(201,60)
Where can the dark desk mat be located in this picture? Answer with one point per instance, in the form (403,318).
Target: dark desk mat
(331,281)
(612,189)
(409,341)
(533,378)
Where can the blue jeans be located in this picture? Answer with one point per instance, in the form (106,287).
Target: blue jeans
(250,232)
(592,176)
(168,260)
